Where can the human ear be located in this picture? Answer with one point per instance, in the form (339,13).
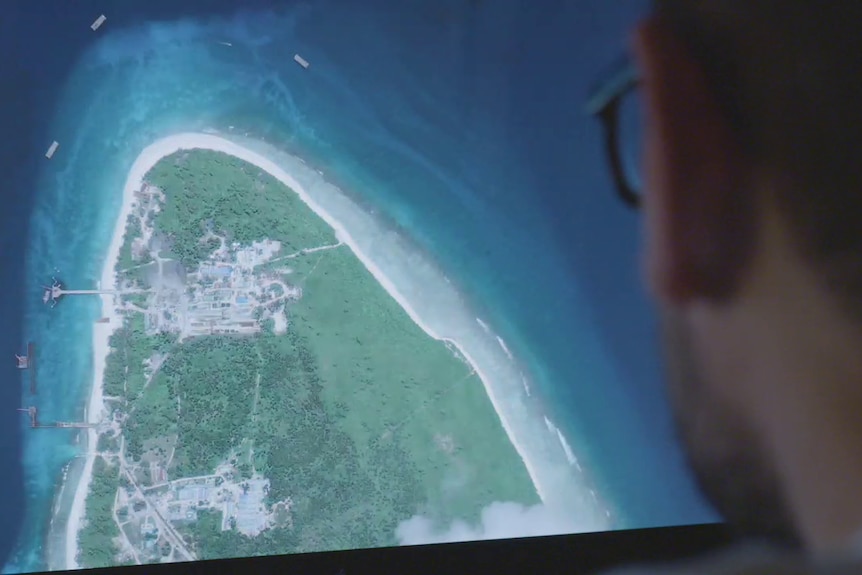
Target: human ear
(695,203)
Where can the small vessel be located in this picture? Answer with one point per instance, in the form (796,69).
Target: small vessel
(28,362)
(99,21)
(52,149)
(226,44)
(301,61)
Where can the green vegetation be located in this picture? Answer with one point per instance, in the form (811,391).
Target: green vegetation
(355,415)
(107,443)
(124,374)
(137,299)
(217,192)
(403,386)
(213,378)
(133,231)
(153,414)
(337,502)
(95,539)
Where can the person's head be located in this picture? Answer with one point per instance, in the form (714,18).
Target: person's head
(753,252)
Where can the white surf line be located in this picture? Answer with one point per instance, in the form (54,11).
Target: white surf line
(526,385)
(567,449)
(505,348)
(536,454)
(570,455)
(484,326)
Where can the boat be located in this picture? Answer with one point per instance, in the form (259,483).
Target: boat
(99,21)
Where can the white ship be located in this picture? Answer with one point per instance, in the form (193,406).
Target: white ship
(99,21)
(52,149)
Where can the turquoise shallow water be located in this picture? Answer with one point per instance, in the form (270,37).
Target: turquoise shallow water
(456,124)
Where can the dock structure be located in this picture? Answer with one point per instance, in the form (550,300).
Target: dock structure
(51,149)
(99,21)
(71,425)
(28,362)
(31,411)
(34,421)
(62,292)
(301,61)
(53,293)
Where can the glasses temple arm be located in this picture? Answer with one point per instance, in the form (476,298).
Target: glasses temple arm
(610,116)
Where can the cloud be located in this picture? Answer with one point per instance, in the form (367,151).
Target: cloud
(500,520)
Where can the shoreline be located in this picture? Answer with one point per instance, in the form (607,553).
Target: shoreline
(101,348)
(145,161)
(190,141)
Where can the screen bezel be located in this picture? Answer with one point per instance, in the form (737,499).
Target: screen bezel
(564,554)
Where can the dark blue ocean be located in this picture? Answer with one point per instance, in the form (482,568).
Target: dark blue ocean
(460,121)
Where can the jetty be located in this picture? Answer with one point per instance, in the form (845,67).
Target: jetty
(53,293)
(33,413)
(301,61)
(28,362)
(99,21)
(51,149)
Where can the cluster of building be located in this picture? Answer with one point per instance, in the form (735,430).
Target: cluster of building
(225,295)
(242,504)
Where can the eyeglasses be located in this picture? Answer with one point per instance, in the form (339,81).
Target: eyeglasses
(614,102)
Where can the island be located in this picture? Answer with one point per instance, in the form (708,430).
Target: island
(261,392)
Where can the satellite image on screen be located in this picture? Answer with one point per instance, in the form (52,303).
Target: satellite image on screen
(308,276)
(257,388)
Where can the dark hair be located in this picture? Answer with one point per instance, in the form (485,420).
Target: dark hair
(788,74)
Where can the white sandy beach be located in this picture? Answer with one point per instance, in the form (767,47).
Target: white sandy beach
(101,336)
(101,332)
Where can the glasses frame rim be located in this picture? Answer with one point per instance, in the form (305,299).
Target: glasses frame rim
(603,103)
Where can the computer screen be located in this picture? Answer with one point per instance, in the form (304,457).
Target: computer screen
(284,277)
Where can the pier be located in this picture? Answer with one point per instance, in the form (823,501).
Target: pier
(53,293)
(61,292)
(28,362)
(31,411)
(34,421)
